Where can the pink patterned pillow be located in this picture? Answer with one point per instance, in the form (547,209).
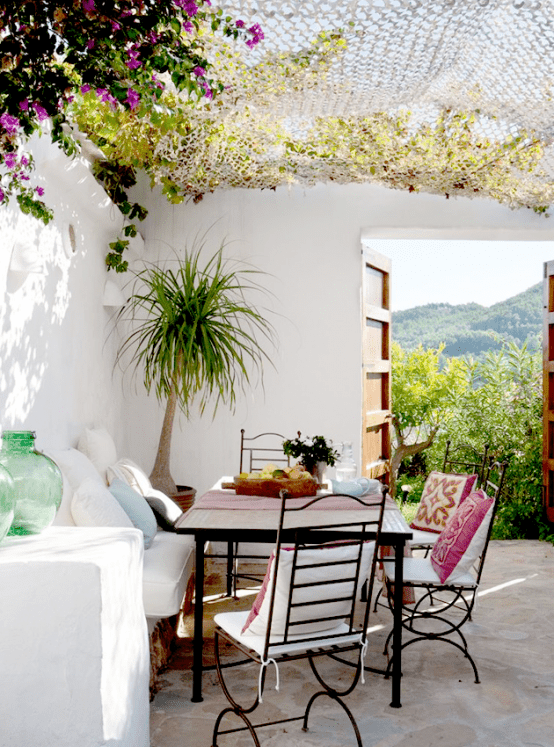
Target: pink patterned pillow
(442,493)
(461,543)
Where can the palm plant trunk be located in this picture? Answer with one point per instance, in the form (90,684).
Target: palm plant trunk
(160,477)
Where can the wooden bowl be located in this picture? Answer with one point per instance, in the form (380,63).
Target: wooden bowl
(271,487)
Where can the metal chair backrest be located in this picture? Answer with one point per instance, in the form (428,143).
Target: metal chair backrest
(466,457)
(493,489)
(328,563)
(257,451)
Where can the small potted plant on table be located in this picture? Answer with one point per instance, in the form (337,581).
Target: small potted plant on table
(314,453)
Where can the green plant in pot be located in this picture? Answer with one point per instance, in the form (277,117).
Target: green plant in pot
(312,453)
(194,334)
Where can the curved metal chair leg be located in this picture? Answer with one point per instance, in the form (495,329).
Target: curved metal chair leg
(235,707)
(241,715)
(333,692)
(338,700)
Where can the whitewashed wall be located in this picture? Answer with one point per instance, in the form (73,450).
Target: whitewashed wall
(309,241)
(55,350)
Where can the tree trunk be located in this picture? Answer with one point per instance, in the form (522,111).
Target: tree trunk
(160,477)
(404,450)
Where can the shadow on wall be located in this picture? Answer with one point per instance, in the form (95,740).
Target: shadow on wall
(35,297)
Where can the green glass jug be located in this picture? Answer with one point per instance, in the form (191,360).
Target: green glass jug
(37,482)
(7,501)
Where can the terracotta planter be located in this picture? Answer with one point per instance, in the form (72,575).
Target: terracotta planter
(184,498)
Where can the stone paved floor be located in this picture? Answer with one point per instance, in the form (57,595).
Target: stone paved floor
(511,638)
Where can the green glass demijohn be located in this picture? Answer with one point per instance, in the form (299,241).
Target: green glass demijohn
(7,501)
(37,482)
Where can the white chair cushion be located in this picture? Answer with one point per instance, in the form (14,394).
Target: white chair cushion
(420,571)
(233,623)
(94,506)
(421,538)
(99,447)
(168,564)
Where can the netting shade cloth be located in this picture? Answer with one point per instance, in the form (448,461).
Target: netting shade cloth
(494,58)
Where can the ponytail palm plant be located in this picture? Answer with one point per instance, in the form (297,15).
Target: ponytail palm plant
(194,335)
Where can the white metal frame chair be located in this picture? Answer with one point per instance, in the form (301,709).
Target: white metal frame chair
(441,609)
(310,608)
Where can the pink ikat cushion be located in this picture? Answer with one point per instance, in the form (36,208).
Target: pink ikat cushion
(463,540)
(442,493)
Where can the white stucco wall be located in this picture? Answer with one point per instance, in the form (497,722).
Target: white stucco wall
(55,348)
(309,241)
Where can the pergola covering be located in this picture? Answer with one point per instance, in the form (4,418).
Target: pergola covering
(450,97)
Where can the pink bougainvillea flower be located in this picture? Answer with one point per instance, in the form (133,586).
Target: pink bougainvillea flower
(132,63)
(85,88)
(39,191)
(257,35)
(88,6)
(2,195)
(208,93)
(188,27)
(115,25)
(41,112)
(24,161)
(90,44)
(189,6)
(133,99)
(239,24)
(24,105)
(9,123)
(199,71)
(10,159)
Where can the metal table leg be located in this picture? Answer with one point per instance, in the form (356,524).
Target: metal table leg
(198,639)
(397,623)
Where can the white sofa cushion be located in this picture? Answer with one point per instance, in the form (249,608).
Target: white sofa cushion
(168,564)
(99,447)
(94,506)
(75,468)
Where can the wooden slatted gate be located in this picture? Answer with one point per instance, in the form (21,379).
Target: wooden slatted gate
(376,365)
(548,390)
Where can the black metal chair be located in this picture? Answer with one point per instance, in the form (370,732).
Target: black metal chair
(308,609)
(462,458)
(255,453)
(443,607)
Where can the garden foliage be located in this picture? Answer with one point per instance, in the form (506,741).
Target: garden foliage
(500,404)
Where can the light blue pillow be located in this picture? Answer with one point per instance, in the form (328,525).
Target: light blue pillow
(136,508)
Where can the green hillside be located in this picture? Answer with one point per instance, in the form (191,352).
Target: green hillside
(471,328)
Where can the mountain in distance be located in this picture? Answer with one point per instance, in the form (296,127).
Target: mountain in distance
(472,329)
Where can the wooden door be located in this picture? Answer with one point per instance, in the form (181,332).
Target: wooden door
(376,365)
(548,390)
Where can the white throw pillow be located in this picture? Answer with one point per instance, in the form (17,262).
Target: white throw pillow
(99,447)
(256,623)
(129,472)
(94,506)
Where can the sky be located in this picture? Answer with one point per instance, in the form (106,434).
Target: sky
(455,272)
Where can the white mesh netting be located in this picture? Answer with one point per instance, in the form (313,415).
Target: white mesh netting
(450,96)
